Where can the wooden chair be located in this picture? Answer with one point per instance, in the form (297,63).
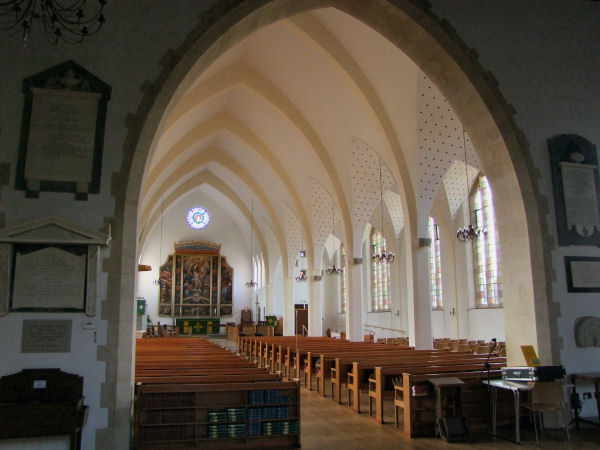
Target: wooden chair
(547,396)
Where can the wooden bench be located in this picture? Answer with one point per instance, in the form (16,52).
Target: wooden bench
(379,382)
(414,412)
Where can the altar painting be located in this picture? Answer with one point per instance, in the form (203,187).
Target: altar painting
(196,282)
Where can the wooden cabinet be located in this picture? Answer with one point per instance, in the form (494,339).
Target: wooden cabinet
(218,416)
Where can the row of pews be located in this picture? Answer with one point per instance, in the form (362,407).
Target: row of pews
(391,377)
(190,392)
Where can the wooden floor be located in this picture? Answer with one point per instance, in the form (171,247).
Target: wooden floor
(325,425)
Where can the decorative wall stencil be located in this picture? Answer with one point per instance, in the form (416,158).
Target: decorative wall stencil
(440,147)
(293,232)
(576,186)
(587,331)
(62,132)
(320,202)
(365,184)
(454,184)
(393,203)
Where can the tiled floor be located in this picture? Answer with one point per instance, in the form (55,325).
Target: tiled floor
(328,426)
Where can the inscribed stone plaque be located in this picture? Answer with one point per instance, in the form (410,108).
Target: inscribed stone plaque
(46,336)
(61,135)
(49,278)
(579,187)
(583,274)
(576,186)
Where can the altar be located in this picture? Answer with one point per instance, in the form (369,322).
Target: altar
(197,327)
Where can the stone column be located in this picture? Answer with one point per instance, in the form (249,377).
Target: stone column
(354,316)
(421,308)
(315,306)
(289,319)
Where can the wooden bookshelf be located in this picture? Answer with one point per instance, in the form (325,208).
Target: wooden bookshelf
(218,416)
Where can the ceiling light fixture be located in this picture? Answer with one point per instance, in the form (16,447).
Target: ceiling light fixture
(302,277)
(71,22)
(470,232)
(160,281)
(251,283)
(384,256)
(333,269)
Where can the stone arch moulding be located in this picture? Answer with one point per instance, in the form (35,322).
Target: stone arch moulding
(440,54)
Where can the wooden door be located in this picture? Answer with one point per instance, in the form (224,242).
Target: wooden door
(301,321)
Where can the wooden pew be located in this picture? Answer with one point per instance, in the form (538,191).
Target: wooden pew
(361,371)
(414,415)
(378,382)
(342,366)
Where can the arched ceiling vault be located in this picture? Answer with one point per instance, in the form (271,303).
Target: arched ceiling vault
(226,122)
(205,177)
(186,172)
(283,106)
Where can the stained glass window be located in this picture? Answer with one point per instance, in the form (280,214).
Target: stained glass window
(487,267)
(435,265)
(197,218)
(380,275)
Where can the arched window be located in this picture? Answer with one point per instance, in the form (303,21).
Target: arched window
(344,295)
(487,260)
(435,265)
(263,281)
(380,275)
(255,271)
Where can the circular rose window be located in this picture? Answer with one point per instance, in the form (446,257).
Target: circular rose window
(197,218)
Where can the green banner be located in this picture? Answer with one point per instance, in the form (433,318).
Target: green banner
(141,307)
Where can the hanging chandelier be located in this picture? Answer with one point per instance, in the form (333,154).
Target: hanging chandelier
(333,269)
(67,21)
(469,232)
(385,255)
(160,281)
(303,277)
(251,283)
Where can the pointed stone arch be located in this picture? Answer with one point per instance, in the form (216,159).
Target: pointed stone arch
(474,97)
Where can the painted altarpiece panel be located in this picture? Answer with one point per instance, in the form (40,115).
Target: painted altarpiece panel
(196,282)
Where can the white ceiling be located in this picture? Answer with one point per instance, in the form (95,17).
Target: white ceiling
(297,116)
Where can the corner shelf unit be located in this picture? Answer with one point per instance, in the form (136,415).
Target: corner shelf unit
(217,416)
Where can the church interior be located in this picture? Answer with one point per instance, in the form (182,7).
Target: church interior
(403,171)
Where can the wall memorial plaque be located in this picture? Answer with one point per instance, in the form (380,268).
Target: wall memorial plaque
(47,278)
(583,273)
(49,265)
(576,186)
(46,336)
(62,133)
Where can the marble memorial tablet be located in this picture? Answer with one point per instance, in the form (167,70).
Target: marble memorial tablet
(583,274)
(49,278)
(46,336)
(61,135)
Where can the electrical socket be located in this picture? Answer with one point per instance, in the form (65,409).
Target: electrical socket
(587,395)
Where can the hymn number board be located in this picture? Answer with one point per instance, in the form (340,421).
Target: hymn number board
(196,281)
